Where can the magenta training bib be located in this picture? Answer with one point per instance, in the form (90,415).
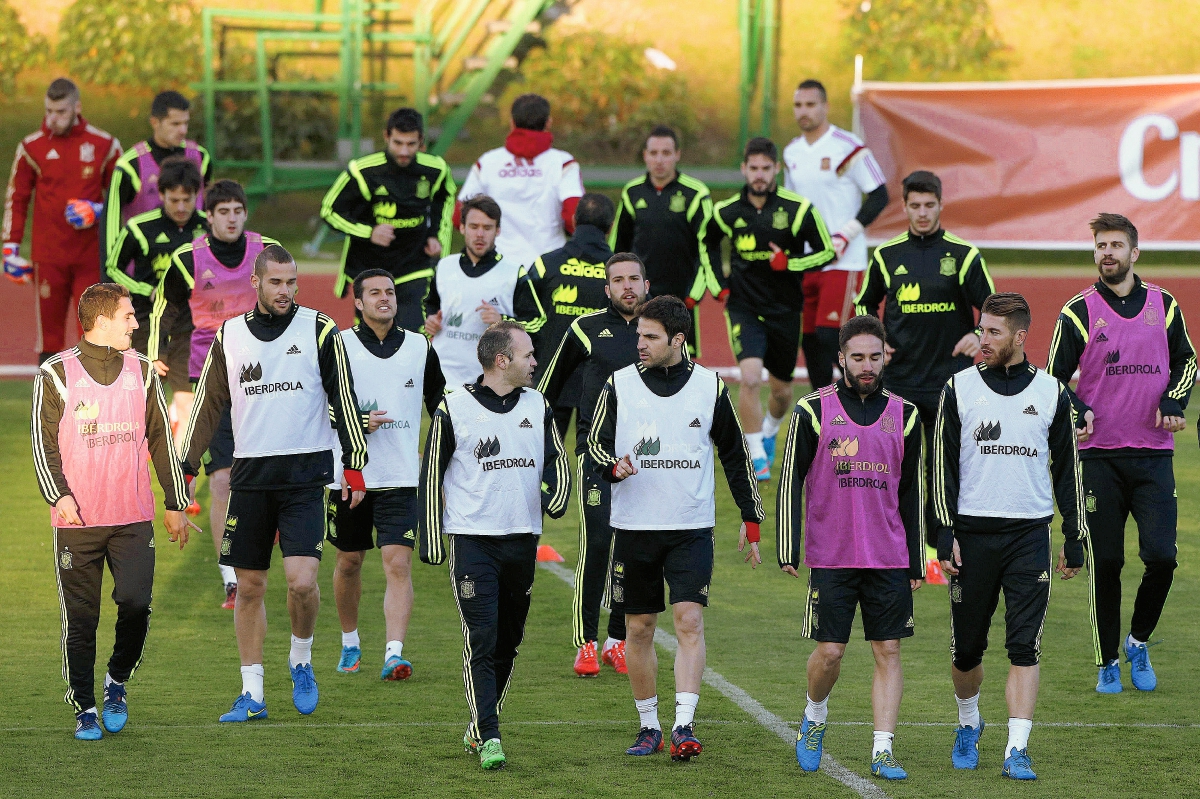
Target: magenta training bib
(219,293)
(1123,372)
(147,198)
(852,491)
(102,443)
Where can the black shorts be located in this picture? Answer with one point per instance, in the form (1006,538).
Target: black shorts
(833,594)
(220,447)
(1144,486)
(643,558)
(391,511)
(298,514)
(775,339)
(1017,563)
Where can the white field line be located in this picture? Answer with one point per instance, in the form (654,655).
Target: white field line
(863,787)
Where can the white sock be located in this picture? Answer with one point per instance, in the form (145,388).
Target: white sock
(648,711)
(685,708)
(883,742)
(252,681)
(301,651)
(393,648)
(92,710)
(771,425)
(1131,641)
(817,712)
(228,575)
(1018,734)
(350,638)
(108,680)
(968,712)
(609,643)
(754,441)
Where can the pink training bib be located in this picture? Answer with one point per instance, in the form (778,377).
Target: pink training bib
(102,443)
(1123,372)
(219,293)
(852,491)
(147,198)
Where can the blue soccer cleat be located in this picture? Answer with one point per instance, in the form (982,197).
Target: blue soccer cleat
(1109,681)
(769,448)
(965,753)
(396,668)
(808,744)
(1018,766)
(245,709)
(351,660)
(1140,670)
(115,712)
(87,728)
(649,741)
(885,766)
(304,689)
(762,469)
(684,744)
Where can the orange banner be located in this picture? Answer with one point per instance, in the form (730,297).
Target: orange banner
(1027,164)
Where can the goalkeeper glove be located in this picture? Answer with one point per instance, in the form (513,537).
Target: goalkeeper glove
(841,240)
(82,214)
(16,268)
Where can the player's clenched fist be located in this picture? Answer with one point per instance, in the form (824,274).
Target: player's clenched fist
(624,468)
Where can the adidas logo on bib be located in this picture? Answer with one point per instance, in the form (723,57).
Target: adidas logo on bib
(695,422)
(526,423)
(1030,411)
(1101,337)
(293,350)
(838,420)
(82,383)
(410,383)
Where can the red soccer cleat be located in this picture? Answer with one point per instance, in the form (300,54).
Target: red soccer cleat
(586,664)
(615,656)
(230,596)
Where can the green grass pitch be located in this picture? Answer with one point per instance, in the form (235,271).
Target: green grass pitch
(564,736)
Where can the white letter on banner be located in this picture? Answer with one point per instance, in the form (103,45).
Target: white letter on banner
(1129,157)
(1189,165)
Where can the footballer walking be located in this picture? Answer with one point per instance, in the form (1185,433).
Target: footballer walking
(280,371)
(852,475)
(653,436)
(395,371)
(1005,454)
(494,463)
(98,415)
(1136,368)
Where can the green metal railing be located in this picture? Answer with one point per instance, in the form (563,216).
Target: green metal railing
(758,32)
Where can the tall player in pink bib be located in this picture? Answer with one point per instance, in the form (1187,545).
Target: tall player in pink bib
(854,454)
(98,416)
(207,283)
(1136,371)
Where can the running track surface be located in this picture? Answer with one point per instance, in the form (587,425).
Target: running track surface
(1046,296)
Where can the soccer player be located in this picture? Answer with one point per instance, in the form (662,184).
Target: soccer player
(395,368)
(663,506)
(1005,453)
(567,283)
(775,235)
(490,472)
(661,218)
(65,167)
(595,346)
(864,513)
(209,280)
(147,241)
(1136,370)
(395,208)
(834,169)
(134,187)
(932,282)
(281,369)
(536,185)
(98,414)
(470,292)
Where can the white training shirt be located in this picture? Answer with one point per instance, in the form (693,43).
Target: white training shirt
(531,193)
(812,172)
(458,340)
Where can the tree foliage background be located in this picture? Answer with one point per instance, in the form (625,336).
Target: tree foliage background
(925,39)
(19,49)
(131,42)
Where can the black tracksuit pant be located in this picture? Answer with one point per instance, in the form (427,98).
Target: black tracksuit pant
(492,578)
(1114,488)
(592,587)
(80,554)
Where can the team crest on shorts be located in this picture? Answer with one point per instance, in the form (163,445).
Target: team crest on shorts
(466,589)
(1090,503)
(887,423)
(948,266)
(1150,317)
(593,497)
(64,560)
(226,544)
(955,592)
(618,593)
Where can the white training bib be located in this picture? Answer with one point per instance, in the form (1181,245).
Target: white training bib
(396,385)
(1004,453)
(669,440)
(458,339)
(493,484)
(279,403)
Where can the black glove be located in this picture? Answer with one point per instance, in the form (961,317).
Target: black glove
(945,543)
(1074,549)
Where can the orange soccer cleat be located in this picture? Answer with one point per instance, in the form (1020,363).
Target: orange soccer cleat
(615,656)
(586,664)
